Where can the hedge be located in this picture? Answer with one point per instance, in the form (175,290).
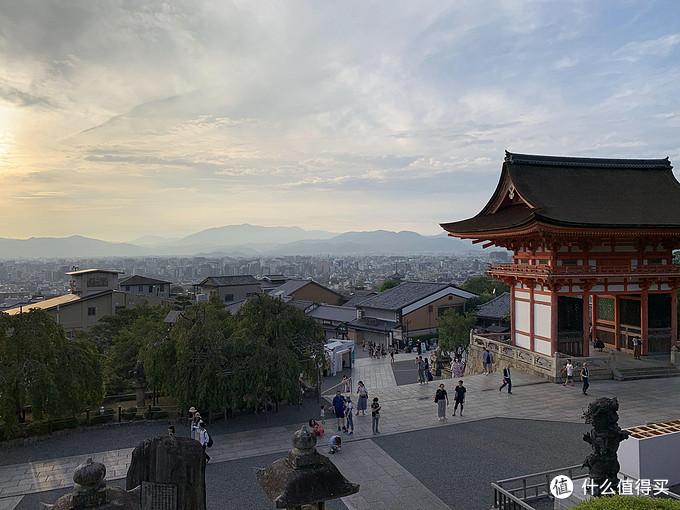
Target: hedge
(629,503)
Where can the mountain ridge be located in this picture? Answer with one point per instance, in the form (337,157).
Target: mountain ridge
(254,240)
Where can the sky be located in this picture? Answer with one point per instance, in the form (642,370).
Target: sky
(120,119)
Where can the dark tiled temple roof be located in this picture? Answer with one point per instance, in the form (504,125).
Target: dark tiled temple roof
(227,281)
(497,308)
(407,293)
(579,192)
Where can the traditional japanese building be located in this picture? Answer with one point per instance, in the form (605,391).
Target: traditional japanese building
(592,243)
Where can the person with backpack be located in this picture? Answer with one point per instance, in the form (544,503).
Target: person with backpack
(205,439)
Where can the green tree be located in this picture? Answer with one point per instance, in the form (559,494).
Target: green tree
(486,289)
(40,367)
(387,284)
(629,503)
(454,329)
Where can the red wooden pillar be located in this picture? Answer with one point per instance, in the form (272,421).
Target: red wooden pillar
(554,303)
(644,321)
(593,333)
(531,317)
(674,316)
(586,323)
(512,313)
(617,324)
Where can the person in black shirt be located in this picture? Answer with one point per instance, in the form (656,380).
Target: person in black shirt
(585,377)
(459,398)
(441,398)
(375,413)
(507,380)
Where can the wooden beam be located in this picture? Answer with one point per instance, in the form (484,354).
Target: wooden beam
(477,241)
(486,245)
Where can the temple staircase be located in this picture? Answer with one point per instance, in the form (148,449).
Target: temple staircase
(649,367)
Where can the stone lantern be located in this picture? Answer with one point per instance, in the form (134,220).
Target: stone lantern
(90,491)
(305,479)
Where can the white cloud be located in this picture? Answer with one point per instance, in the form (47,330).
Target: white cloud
(659,47)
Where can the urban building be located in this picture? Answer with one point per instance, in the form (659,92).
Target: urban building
(407,310)
(144,289)
(93,295)
(307,290)
(229,289)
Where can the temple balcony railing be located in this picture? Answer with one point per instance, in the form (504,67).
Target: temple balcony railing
(583,271)
(523,358)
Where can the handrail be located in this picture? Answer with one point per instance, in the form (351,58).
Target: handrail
(333,388)
(539,362)
(583,270)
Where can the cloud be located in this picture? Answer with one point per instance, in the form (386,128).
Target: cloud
(659,47)
(293,112)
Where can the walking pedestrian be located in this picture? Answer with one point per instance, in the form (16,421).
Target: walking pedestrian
(362,404)
(195,418)
(636,347)
(204,439)
(420,365)
(585,377)
(323,414)
(507,380)
(441,398)
(348,416)
(375,413)
(391,354)
(345,384)
(339,408)
(487,360)
(569,369)
(459,397)
(426,371)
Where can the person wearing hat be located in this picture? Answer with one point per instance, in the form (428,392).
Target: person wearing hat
(195,418)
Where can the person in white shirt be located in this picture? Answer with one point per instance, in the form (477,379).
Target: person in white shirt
(569,369)
(203,438)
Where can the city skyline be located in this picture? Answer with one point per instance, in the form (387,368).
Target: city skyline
(118,121)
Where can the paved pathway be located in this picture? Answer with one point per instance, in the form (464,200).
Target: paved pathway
(385,485)
(405,408)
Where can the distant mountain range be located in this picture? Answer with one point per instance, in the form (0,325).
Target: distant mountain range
(240,241)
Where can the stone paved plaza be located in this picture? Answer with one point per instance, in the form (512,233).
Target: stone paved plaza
(416,462)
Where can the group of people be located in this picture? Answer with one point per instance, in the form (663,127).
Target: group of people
(424,370)
(199,431)
(441,398)
(376,351)
(568,370)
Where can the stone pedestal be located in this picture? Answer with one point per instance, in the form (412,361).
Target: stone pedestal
(170,460)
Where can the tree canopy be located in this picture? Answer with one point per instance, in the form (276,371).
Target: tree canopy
(454,329)
(40,367)
(213,360)
(387,284)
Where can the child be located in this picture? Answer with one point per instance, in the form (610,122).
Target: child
(317,428)
(334,443)
(323,414)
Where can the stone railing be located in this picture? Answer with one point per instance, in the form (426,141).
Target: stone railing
(521,358)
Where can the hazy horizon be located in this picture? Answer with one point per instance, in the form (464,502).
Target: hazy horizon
(120,120)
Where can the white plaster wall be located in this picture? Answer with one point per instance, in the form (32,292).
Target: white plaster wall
(542,346)
(521,294)
(615,288)
(522,315)
(542,298)
(522,340)
(542,320)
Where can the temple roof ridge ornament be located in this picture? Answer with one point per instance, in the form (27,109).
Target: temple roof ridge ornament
(541,160)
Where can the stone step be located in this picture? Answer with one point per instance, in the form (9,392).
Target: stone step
(625,374)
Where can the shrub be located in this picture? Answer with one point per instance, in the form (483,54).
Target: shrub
(129,413)
(101,418)
(37,428)
(65,423)
(629,503)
